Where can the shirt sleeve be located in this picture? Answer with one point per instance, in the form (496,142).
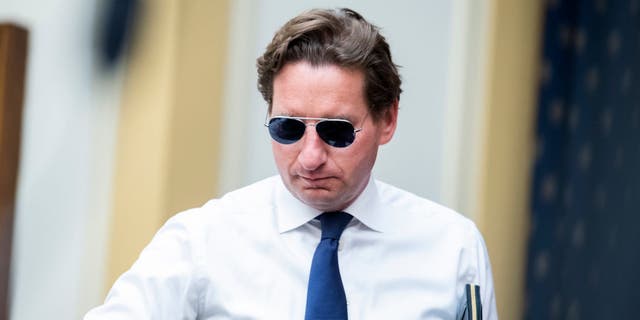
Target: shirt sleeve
(485,279)
(162,283)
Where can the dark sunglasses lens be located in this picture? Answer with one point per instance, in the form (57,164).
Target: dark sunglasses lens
(337,134)
(286,131)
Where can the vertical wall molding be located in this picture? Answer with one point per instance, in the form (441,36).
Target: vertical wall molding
(13,57)
(508,143)
(465,108)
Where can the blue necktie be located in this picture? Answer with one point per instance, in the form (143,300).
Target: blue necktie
(325,295)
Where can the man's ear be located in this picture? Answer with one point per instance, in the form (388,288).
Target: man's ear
(387,123)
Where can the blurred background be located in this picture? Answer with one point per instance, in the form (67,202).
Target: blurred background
(522,115)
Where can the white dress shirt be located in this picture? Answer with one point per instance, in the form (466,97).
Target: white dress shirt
(248,254)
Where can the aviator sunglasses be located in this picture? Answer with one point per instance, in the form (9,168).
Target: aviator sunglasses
(337,133)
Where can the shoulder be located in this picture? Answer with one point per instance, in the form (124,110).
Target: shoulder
(421,210)
(446,234)
(259,192)
(252,199)
(429,222)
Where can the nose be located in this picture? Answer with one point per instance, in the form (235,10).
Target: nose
(313,153)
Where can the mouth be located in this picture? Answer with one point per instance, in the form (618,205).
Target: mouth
(315,182)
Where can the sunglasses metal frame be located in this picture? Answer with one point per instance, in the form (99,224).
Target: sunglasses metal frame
(314,124)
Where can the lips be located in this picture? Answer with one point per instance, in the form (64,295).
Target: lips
(313,178)
(315,181)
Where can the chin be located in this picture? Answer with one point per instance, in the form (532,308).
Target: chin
(322,200)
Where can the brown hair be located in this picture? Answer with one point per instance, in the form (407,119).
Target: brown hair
(341,37)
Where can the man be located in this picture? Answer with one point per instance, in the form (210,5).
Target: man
(323,240)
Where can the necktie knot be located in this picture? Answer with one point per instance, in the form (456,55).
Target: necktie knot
(333,224)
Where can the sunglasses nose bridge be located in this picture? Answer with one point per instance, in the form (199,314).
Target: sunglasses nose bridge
(313,150)
(311,123)
(311,131)
(310,127)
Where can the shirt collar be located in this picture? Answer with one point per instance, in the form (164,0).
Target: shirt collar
(369,209)
(291,213)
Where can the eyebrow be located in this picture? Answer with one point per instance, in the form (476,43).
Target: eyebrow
(341,116)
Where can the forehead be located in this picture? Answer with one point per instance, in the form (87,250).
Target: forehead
(303,89)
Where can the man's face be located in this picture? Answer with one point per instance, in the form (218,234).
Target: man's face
(321,176)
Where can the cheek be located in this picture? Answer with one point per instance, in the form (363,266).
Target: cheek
(277,153)
(359,160)
(283,155)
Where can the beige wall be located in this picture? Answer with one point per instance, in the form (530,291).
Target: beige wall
(515,28)
(168,138)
